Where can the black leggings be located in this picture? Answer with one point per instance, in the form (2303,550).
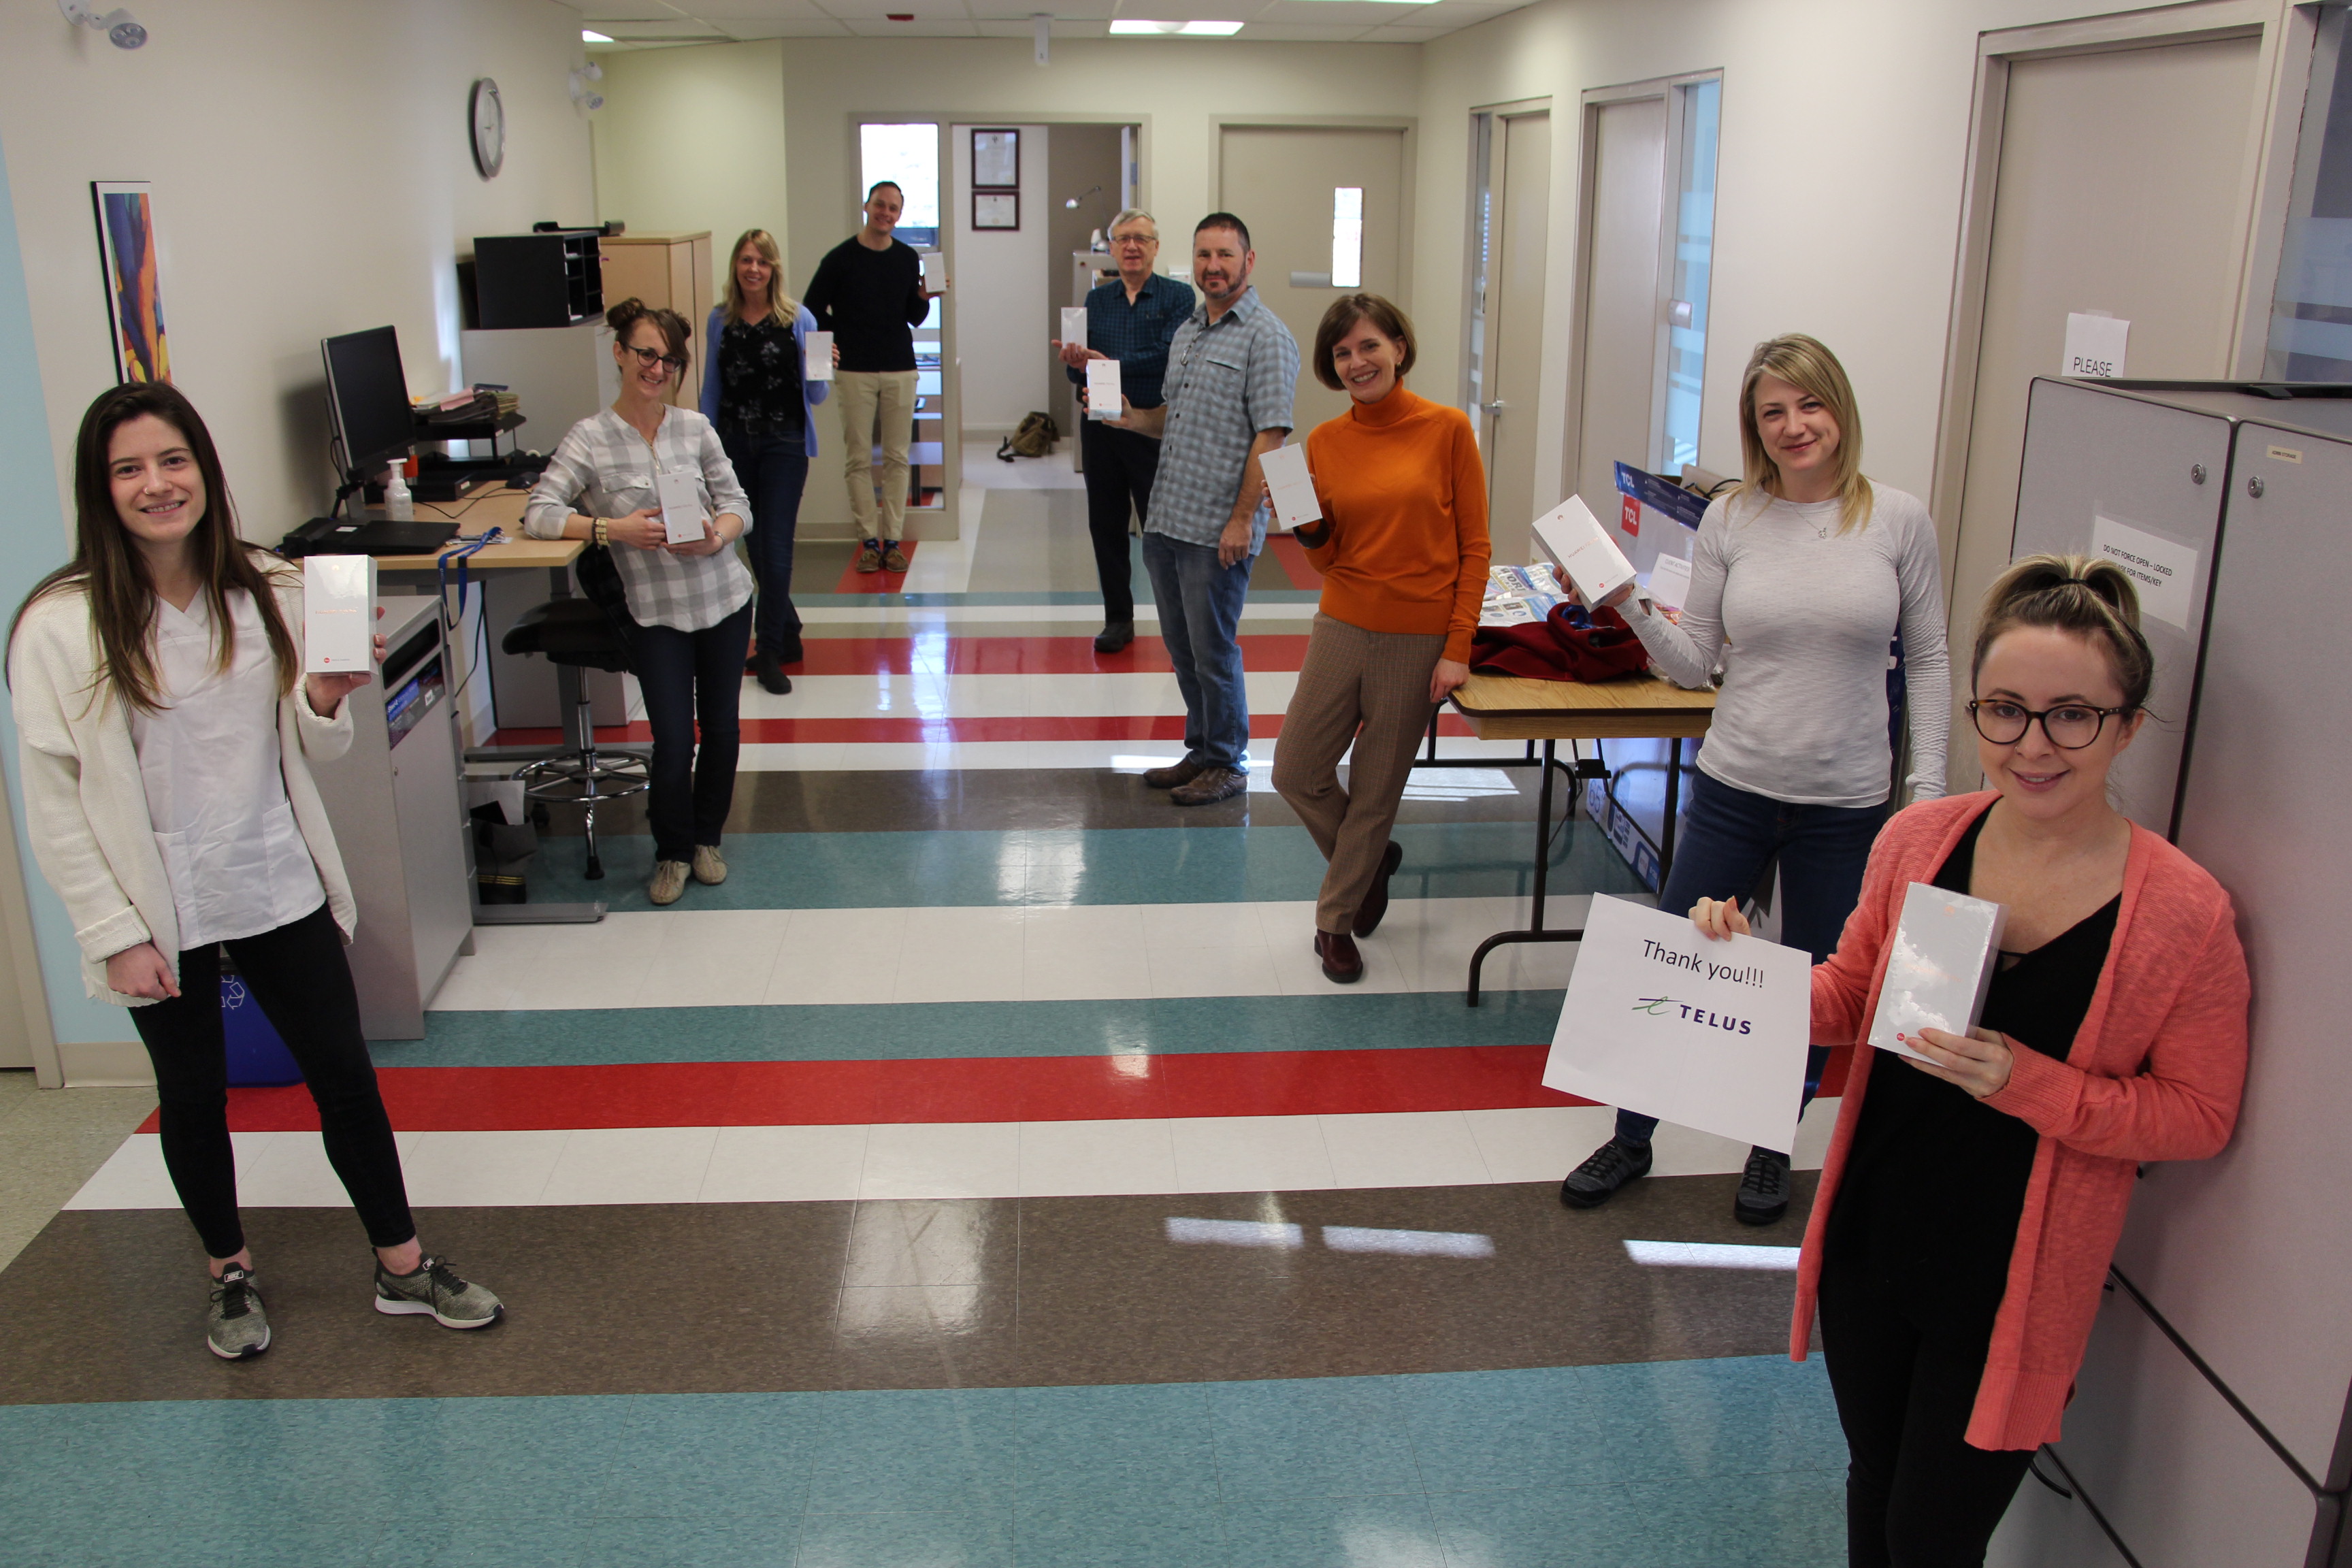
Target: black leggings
(1120,467)
(298,976)
(1916,1495)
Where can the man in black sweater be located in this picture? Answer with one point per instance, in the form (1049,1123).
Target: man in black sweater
(868,292)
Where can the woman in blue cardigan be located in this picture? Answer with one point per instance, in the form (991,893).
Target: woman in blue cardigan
(757,391)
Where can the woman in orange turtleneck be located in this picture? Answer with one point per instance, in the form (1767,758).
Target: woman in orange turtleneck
(1402,548)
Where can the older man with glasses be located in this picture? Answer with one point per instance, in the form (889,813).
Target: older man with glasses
(1131,320)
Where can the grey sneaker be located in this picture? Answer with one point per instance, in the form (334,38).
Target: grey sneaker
(236,1328)
(436,1290)
(1611,1166)
(709,865)
(1174,774)
(669,882)
(1763,1194)
(1214,784)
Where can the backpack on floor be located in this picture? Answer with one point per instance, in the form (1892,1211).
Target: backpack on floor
(1034,438)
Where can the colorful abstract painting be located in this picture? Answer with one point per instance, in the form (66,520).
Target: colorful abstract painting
(134,301)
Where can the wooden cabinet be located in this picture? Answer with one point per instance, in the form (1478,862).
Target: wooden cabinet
(666,270)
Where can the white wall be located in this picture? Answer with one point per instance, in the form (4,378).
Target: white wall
(311,177)
(1002,331)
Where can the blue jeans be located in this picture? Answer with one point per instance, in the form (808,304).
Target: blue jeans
(1726,840)
(1200,620)
(773,471)
(692,678)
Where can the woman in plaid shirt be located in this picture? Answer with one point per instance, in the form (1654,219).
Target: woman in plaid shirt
(689,604)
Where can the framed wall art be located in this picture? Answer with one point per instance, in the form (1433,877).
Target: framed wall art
(134,304)
(996,160)
(995,209)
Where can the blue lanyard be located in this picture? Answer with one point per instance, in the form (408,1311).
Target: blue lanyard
(463,549)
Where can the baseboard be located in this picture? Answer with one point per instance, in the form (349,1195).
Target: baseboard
(105,1064)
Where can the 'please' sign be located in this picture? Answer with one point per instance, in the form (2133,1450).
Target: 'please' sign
(1705,1034)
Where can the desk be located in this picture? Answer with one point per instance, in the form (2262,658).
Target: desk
(1512,707)
(503,509)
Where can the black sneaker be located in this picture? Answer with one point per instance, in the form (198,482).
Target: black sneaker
(1763,1194)
(1596,1181)
(1114,637)
(236,1328)
(769,672)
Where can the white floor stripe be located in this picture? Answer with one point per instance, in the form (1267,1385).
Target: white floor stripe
(1119,756)
(1038,952)
(946,1160)
(929,694)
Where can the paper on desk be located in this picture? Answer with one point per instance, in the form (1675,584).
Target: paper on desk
(818,356)
(1664,1021)
(681,505)
(1670,582)
(1294,488)
(1073,324)
(1939,967)
(1102,389)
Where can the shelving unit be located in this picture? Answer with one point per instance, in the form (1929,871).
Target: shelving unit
(537,280)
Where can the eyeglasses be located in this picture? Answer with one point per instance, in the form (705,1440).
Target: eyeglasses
(652,357)
(1135,239)
(2070,726)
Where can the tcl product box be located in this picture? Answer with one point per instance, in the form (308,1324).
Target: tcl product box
(1944,948)
(817,351)
(1293,487)
(1102,389)
(681,506)
(338,615)
(1582,548)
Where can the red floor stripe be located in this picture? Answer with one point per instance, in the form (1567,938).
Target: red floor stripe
(988,1088)
(852,580)
(1292,557)
(915,731)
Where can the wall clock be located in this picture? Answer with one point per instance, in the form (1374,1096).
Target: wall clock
(489,121)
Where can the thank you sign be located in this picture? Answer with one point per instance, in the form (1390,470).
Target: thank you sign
(1674,1025)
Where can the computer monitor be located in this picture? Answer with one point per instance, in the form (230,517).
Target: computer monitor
(368,395)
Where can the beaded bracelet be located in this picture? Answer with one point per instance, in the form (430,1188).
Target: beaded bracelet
(603,531)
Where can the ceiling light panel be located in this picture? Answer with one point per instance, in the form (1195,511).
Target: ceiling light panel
(1136,27)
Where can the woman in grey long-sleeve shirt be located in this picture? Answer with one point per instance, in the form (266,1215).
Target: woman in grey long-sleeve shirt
(1800,580)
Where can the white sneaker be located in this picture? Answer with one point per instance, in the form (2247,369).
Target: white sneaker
(669,882)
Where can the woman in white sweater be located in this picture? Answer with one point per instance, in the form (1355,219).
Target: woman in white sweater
(1800,580)
(163,731)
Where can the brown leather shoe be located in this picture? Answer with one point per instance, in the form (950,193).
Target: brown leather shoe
(1214,784)
(893,558)
(869,559)
(1341,963)
(1182,772)
(1376,897)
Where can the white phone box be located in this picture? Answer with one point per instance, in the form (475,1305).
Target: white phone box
(1102,389)
(338,615)
(934,273)
(1582,548)
(1073,324)
(816,349)
(681,505)
(1294,488)
(1939,968)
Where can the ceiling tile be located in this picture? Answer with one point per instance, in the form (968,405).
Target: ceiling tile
(865,28)
(1402,35)
(818,27)
(1190,10)
(1298,33)
(747,16)
(1357,14)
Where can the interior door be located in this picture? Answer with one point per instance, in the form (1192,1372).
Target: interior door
(1617,380)
(1520,180)
(2121,177)
(1279,180)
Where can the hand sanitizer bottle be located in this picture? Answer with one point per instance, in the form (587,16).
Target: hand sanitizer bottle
(398,506)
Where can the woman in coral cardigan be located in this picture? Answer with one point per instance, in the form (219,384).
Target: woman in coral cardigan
(1402,548)
(1971,1200)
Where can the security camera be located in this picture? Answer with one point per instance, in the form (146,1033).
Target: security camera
(120,28)
(583,95)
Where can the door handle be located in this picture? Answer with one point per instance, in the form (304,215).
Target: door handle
(1493,407)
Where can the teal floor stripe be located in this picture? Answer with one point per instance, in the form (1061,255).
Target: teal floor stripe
(1079,865)
(1669,1464)
(891,1032)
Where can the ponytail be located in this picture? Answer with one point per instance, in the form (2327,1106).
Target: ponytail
(2072,593)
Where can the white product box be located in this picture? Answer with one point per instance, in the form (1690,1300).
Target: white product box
(1293,489)
(1073,324)
(1941,964)
(934,273)
(1582,548)
(816,352)
(1102,389)
(681,505)
(338,615)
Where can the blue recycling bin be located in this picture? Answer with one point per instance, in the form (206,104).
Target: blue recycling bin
(257,1059)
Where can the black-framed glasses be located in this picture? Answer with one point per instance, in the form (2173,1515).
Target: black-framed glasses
(2070,726)
(652,357)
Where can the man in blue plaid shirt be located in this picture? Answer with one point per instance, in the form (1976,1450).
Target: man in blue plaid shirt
(1130,318)
(1232,370)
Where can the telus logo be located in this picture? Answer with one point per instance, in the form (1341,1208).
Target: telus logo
(1668,1007)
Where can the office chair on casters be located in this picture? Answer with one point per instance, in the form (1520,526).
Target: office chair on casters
(578,632)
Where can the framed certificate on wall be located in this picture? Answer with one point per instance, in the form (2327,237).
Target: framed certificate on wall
(995,209)
(996,159)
